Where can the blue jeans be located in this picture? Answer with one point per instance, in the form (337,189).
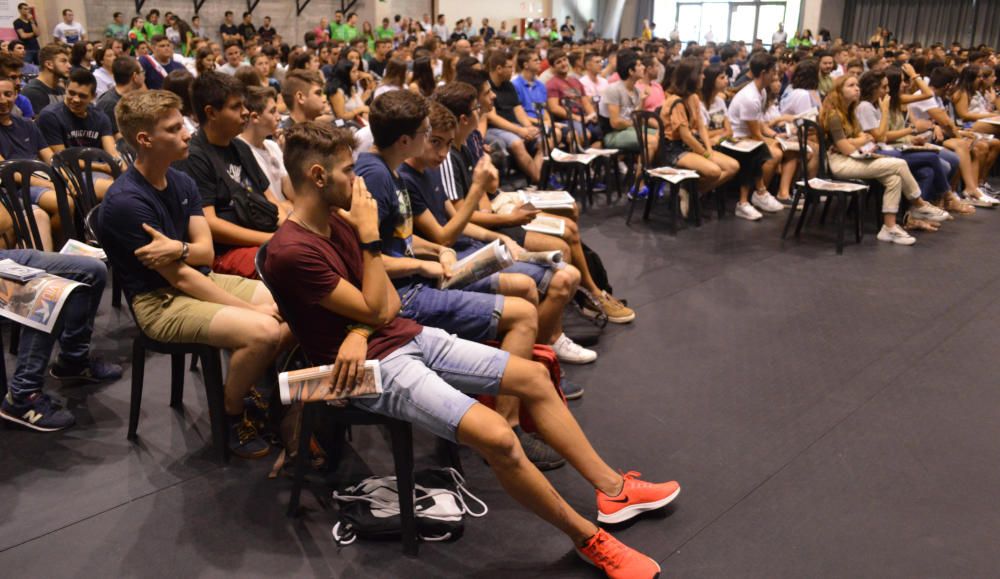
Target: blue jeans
(469,315)
(76,321)
(928,170)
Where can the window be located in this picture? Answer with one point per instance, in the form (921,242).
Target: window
(725,20)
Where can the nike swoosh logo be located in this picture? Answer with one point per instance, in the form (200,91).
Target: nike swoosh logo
(623,500)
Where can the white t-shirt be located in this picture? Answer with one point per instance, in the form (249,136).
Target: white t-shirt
(105,81)
(68,33)
(747,105)
(593,89)
(714,117)
(798,101)
(271,162)
(920,110)
(869,116)
(779,36)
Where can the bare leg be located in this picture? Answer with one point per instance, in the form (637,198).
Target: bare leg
(254,338)
(561,289)
(519,328)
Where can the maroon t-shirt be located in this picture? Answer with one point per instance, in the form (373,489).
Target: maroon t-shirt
(564,87)
(303,268)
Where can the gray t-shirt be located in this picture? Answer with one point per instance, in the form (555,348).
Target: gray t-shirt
(618,94)
(869,116)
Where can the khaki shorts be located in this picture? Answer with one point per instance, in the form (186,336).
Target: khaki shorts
(167,315)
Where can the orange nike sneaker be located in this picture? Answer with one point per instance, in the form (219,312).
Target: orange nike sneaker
(617,560)
(637,496)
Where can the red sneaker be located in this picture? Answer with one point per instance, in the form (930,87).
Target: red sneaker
(617,560)
(637,496)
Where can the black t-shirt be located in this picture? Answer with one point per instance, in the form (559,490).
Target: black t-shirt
(241,167)
(377,67)
(266,34)
(230,29)
(61,127)
(506,100)
(247,31)
(21,139)
(106,104)
(132,201)
(41,95)
(26,26)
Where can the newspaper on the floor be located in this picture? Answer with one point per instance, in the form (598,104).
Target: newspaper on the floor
(673,175)
(741,145)
(35,303)
(74,247)
(509,201)
(552,258)
(547,225)
(560,156)
(600,152)
(10,269)
(484,262)
(316,385)
(827,185)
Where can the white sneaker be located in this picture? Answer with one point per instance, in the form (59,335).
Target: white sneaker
(622,168)
(766,202)
(572,353)
(746,211)
(897,235)
(987,198)
(930,213)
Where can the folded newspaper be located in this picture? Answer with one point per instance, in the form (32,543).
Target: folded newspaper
(316,385)
(866,151)
(826,185)
(10,269)
(509,201)
(930,147)
(600,152)
(673,175)
(552,258)
(74,247)
(791,145)
(35,303)
(741,145)
(484,262)
(547,225)
(564,157)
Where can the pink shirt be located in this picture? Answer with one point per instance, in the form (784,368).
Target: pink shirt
(655,98)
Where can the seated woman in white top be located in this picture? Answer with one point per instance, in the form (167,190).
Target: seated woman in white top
(971,109)
(785,132)
(342,91)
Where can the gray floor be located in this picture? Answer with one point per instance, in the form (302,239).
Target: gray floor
(827,417)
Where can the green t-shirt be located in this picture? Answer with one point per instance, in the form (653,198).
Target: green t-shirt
(119,31)
(349,32)
(384,33)
(531,33)
(152,30)
(337,31)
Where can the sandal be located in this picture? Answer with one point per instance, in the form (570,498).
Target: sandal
(956,205)
(914,224)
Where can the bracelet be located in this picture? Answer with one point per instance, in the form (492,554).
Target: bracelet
(360,329)
(444,249)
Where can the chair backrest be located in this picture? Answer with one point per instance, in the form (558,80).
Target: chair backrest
(540,110)
(642,120)
(15,180)
(575,115)
(76,165)
(125,151)
(805,126)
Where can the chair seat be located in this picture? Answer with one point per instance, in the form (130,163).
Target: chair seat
(833,185)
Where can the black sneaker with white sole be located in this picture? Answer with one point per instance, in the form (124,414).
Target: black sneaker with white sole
(539,453)
(37,412)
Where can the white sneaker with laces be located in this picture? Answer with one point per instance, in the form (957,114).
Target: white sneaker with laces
(986,197)
(930,213)
(896,235)
(572,353)
(764,201)
(746,211)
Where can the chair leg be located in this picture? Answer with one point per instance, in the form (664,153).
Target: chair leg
(402,454)
(194,363)
(675,205)
(859,216)
(841,214)
(138,373)
(3,371)
(807,206)
(215,394)
(791,213)
(826,209)
(301,458)
(176,380)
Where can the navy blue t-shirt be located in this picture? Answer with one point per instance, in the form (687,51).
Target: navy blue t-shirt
(154,79)
(132,201)
(426,192)
(395,219)
(21,140)
(61,127)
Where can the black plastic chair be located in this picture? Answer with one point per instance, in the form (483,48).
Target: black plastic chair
(401,436)
(642,120)
(126,151)
(211,360)
(578,142)
(575,170)
(853,198)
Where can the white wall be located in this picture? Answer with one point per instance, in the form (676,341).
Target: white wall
(496,10)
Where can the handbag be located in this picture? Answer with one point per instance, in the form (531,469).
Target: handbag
(252,208)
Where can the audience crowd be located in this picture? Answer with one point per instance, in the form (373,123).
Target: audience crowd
(368,160)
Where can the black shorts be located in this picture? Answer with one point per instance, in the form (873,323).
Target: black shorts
(517,233)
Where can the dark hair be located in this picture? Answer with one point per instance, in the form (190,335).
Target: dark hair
(761,63)
(806,75)
(686,78)
(310,142)
(442,119)
(626,61)
(968,78)
(257,97)
(466,63)
(77,54)
(708,91)
(298,81)
(523,56)
(123,68)
(153,12)
(9,62)
(83,77)
(942,76)
(496,59)
(423,75)
(232,43)
(457,97)
(249,76)
(213,89)
(474,78)
(179,82)
(895,77)
(395,72)
(394,114)
(340,78)
(728,51)
(869,84)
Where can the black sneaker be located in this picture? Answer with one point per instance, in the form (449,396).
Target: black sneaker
(93,371)
(244,441)
(539,453)
(571,390)
(37,412)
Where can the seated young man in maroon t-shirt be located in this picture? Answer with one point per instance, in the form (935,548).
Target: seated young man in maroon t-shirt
(325,267)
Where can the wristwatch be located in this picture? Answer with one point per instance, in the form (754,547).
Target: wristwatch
(373,247)
(185,250)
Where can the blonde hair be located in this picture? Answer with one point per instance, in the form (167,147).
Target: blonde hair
(139,111)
